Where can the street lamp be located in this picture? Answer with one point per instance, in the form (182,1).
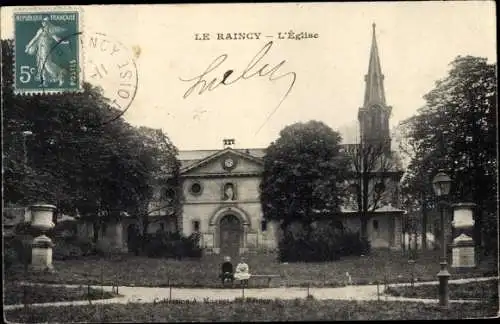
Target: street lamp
(441,185)
(25,150)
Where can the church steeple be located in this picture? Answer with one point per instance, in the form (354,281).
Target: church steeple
(374,115)
(374,92)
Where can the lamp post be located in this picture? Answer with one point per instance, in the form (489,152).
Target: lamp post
(441,185)
(25,149)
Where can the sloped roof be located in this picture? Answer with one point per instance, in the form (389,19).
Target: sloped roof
(346,209)
(243,153)
(388,209)
(191,157)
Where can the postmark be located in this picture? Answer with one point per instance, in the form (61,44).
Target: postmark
(110,65)
(47,51)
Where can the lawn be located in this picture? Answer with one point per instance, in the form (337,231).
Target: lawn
(256,310)
(15,293)
(130,270)
(476,290)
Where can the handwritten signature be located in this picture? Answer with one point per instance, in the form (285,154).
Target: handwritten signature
(250,71)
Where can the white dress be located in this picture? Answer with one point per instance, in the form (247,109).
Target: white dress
(242,272)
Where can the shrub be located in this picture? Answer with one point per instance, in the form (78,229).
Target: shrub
(353,244)
(87,246)
(66,229)
(73,248)
(10,258)
(172,245)
(66,250)
(20,248)
(325,243)
(24,229)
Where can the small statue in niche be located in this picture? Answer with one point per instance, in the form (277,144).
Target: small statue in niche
(229,191)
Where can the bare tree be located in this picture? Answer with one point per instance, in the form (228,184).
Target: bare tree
(374,173)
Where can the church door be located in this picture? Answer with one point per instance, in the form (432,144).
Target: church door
(230,235)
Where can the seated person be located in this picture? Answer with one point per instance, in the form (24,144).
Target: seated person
(227,270)
(242,272)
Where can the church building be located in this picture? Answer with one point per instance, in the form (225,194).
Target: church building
(221,187)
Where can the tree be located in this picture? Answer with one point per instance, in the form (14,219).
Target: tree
(302,172)
(165,181)
(456,131)
(76,159)
(373,177)
(416,187)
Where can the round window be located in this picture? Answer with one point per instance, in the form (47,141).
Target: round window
(196,188)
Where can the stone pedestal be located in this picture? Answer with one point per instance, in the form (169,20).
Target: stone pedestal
(463,252)
(463,247)
(41,253)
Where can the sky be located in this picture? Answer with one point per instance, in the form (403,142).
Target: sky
(416,41)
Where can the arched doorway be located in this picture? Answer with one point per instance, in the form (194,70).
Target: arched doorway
(230,235)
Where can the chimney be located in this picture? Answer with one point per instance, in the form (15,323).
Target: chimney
(228,142)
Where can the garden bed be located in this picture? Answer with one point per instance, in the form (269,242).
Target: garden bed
(250,310)
(481,290)
(129,270)
(31,294)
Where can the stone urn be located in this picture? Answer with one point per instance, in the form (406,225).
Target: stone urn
(41,217)
(41,251)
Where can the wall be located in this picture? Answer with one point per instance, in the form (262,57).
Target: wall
(388,233)
(205,207)
(381,236)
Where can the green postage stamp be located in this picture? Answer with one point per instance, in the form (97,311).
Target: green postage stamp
(47,51)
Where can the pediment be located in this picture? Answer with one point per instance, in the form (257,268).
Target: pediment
(225,162)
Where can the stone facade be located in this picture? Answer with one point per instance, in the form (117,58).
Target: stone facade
(224,186)
(206,204)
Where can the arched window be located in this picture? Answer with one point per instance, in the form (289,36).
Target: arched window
(196,226)
(263,225)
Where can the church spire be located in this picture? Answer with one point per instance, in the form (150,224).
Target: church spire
(374,92)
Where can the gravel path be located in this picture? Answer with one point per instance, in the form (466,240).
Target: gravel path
(152,294)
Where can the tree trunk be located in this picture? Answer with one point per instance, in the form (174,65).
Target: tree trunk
(309,229)
(364,226)
(96,227)
(145,225)
(424,227)
(365,202)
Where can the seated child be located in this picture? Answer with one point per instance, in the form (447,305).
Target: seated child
(242,272)
(227,270)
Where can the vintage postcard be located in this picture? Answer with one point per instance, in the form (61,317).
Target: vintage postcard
(250,162)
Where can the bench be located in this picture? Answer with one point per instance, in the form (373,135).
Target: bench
(269,277)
